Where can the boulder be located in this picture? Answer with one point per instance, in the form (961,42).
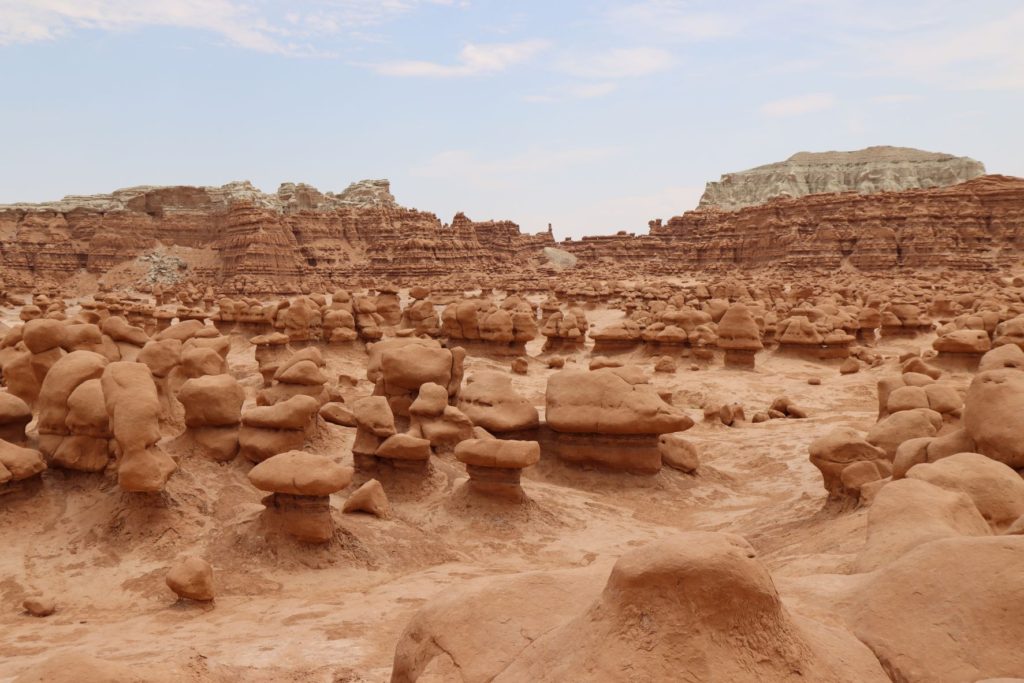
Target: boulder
(192,579)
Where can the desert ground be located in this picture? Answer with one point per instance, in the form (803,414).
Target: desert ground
(336,611)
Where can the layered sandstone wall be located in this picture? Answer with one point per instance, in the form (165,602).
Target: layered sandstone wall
(250,241)
(976,225)
(875,169)
(297,234)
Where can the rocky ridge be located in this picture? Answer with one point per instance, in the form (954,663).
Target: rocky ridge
(870,170)
(243,240)
(252,239)
(975,225)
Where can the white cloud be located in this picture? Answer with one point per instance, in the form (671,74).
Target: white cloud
(988,55)
(802,104)
(617,63)
(241,24)
(474,59)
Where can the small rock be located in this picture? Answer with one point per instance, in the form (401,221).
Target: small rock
(731,413)
(192,578)
(39,606)
(760,417)
(369,498)
(849,366)
(520,366)
(814,381)
(678,453)
(556,362)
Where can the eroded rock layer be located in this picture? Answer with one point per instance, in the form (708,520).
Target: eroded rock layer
(976,225)
(875,169)
(239,238)
(251,238)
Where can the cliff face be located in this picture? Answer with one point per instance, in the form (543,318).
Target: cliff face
(976,225)
(875,169)
(250,241)
(297,234)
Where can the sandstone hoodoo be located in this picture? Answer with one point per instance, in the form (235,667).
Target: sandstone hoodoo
(300,485)
(393,448)
(213,414)
(494,465)
(610,417)
(739,336)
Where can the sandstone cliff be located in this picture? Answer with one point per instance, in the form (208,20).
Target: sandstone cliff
(243,238)
(976,225)
(875,169)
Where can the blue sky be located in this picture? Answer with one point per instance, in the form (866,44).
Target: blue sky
(594,116)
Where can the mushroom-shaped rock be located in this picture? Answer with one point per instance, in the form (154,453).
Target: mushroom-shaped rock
(964,341)
(602,401)
(739,336)
(301,484)
(192,579)
(610,417)
(494,465)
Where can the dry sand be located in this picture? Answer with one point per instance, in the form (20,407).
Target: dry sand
(288,612)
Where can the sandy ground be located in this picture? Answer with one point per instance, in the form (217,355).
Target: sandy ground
(287,612)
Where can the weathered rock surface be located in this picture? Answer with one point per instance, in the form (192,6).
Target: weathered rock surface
(875,169)
(249,241)
(297,233)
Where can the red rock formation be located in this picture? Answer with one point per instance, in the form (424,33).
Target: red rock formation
(297,234)
(250,241)
(976,225)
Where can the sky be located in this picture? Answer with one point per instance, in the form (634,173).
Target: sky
(594,116)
